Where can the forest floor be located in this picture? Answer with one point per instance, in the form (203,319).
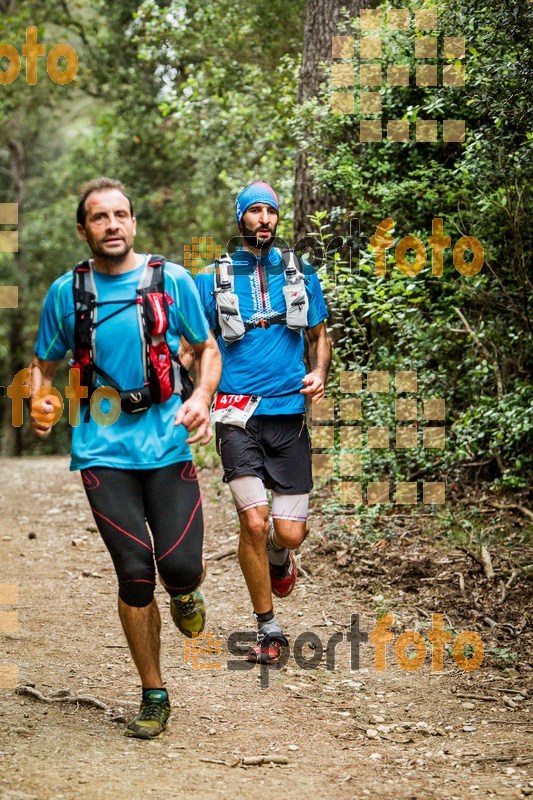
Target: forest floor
(342,732)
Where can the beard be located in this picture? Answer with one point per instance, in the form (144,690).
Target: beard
(251,239)
(115,254)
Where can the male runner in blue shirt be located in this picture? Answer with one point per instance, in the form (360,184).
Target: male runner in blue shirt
(264,443)
(137,470)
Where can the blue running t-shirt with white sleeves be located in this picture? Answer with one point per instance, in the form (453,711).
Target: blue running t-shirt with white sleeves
(267,361)
(148,440)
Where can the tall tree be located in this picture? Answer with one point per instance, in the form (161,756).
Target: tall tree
(321,17)
(29,136)
(321,20)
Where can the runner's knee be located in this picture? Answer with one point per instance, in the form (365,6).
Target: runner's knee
(137,593)
(290,534)
(254,524)
(182,575)
(136,577)
(289,513)
(251,502)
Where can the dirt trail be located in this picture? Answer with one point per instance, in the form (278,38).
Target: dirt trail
(345,734)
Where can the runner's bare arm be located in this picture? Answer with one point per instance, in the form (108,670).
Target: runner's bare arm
(186,353)
(194,413)
(320,358)
(42,375)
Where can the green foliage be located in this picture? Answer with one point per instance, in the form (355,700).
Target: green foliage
(469,338)
(187,101)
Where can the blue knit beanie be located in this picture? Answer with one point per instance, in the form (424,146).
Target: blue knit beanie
(257,192)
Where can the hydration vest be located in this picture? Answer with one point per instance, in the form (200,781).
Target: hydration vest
(231,324)
(163,372)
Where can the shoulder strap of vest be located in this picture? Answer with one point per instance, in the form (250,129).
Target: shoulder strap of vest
(156,261)
(85,311)
(226,256)
(152,280)
(278,319)
(298,261)
(80,272)
(84,303)
(152,306)
(82,266)
(223,272)
(301,264)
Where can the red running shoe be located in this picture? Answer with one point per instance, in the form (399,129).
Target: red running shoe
(266,650)
(283,578)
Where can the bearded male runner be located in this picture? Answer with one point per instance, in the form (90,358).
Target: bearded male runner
(122,314)
(261,305)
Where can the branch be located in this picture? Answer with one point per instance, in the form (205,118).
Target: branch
(525,511)
(77,699)
(486,351)
(78,27)
(16,153)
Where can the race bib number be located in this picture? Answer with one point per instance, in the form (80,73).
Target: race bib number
(233,409)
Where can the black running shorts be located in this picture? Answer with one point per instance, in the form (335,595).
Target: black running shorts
(276,449)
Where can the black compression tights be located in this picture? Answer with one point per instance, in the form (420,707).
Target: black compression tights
(168,499)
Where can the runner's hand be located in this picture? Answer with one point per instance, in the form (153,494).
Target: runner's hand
(313,387)
(194,414)
(38,418)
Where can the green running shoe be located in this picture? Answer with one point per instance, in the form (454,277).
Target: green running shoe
(188,613)
(152,718)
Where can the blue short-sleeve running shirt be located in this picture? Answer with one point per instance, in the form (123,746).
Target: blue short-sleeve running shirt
(140,441)
(267,361)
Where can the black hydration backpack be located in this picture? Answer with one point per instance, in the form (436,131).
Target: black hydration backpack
(163,372)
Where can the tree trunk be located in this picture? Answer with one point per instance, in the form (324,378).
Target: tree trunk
(321,19)
(13,442)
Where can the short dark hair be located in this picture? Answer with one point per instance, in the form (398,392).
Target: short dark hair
(98,185)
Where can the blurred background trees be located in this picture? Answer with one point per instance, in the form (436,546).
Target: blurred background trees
(187,102)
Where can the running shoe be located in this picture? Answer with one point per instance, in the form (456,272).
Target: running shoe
(152,718)
(283,578)
(188,613)
(267,650)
